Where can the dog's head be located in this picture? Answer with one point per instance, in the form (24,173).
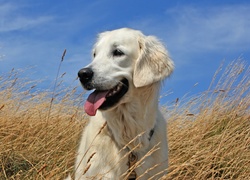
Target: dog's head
(123,60)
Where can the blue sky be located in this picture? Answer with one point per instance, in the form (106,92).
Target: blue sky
(198,34)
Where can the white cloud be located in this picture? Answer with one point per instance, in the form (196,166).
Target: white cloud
(11,19)
(197,29)
(22,23)
(214,28)
(6,9)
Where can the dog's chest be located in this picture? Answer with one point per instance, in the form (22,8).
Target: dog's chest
(106,159)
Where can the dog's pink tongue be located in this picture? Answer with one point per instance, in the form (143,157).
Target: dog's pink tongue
(94,101)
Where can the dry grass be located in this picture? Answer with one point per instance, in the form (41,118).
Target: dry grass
(209,135)
(35,144)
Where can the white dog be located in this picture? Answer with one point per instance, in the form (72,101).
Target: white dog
(126,137)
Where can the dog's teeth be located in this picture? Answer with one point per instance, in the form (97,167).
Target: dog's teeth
(115,90)
(119,86)
(111,93)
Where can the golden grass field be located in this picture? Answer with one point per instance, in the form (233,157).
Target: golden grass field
(209,134)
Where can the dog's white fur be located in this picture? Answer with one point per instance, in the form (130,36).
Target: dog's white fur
(145,64)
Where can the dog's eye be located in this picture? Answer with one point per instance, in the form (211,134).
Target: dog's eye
(117,52)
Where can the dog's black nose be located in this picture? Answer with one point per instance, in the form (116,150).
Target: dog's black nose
(85,75)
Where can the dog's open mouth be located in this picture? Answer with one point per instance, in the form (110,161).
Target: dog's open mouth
(100,99)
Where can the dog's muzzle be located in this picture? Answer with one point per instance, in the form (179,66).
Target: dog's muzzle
(101,98)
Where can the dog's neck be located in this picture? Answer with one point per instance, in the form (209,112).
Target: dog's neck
(130,123)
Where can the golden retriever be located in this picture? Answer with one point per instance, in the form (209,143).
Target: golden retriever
(126,135)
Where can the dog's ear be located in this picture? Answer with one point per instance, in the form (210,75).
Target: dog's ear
(153,64)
